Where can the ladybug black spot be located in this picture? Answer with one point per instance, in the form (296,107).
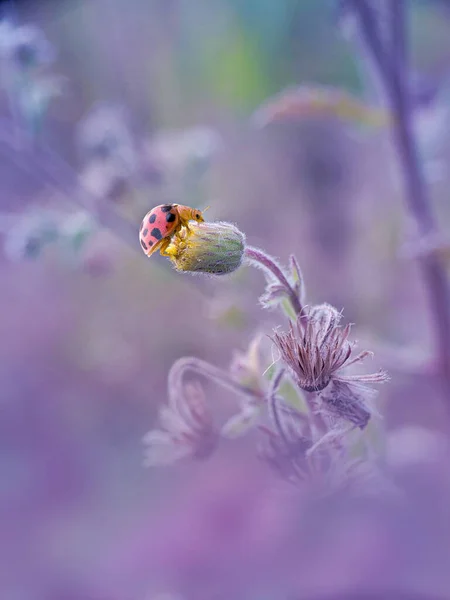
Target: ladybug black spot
(152,218)
(166,208)
(150,244)
(145,232)
(144,245)
(156,233)
(170,217)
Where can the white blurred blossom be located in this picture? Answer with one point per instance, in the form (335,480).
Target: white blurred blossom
(186,429)
(176,150)
(104,134)
(30,234)
(24,46)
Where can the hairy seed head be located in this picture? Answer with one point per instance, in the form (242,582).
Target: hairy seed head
(315,347)
(316,350)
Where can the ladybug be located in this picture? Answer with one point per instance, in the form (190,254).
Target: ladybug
(163,222)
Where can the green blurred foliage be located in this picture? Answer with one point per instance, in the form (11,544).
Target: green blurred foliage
(179,59)
(250,50)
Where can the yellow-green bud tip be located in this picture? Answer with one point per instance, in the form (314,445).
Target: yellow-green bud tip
(213,248)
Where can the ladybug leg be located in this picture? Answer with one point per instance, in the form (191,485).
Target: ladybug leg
(163,248)
(176,244)
(185,224)
(171,251)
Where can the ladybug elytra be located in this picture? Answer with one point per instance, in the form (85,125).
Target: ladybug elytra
(163,222)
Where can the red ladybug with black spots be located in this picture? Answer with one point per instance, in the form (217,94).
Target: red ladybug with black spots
(163,222)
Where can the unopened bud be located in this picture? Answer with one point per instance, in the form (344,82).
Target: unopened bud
(214,248)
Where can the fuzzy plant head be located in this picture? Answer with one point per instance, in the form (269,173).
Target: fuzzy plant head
(315,347)
(209,248)
(316,350)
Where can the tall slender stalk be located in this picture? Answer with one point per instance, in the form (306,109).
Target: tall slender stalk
(393,70)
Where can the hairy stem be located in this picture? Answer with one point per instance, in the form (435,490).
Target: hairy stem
(210,372)
(318,425)
(268,264)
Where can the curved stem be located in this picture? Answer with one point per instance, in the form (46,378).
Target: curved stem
(268,264)
(209,371)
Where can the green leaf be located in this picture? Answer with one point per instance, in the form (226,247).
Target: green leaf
(293,396)
(288,310)
(290,393)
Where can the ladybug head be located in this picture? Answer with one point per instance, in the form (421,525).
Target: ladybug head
(198,216)
(190,214)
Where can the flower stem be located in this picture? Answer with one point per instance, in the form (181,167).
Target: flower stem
(318,425)
(394,74)
(209,371)
(269,265)
(272,403)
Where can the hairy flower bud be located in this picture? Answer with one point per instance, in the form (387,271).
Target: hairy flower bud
(186,429)
(315,347)
(214,248)
(247,367)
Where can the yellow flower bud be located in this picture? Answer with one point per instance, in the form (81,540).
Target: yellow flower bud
(213,248)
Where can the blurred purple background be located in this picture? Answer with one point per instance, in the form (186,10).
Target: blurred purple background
(90,327)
